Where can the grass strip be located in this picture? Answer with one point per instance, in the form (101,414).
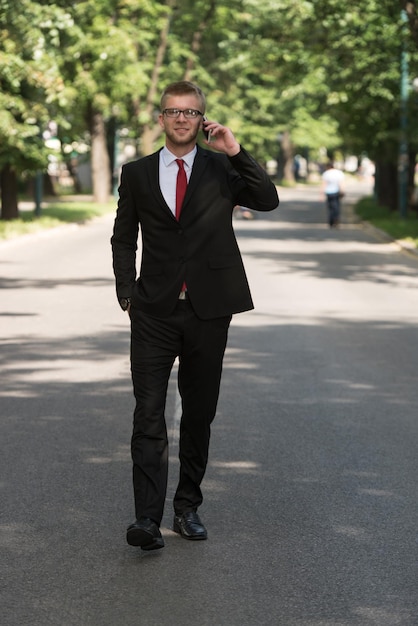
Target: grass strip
(401,229)
(52,215)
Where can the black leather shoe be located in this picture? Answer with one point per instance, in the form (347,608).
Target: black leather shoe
(189,526)
(145,534)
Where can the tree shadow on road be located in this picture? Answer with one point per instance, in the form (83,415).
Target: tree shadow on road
(349,254)
(309,496)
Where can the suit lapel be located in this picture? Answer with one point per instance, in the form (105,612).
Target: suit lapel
(199,166)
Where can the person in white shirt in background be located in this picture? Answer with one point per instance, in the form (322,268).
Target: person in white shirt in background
(332,186)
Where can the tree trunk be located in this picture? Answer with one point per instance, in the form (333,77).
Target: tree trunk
(148,138)
(151,130)
(8,184)
(387,184)
(48,184)
(196,42)
(286,158)
(100,161)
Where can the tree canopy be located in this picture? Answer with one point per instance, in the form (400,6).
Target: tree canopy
(325,74)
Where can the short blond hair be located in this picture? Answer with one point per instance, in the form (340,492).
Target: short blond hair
(181,88)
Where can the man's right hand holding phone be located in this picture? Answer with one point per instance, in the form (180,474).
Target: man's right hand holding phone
(220,137)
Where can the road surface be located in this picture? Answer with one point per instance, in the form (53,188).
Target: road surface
(311,492)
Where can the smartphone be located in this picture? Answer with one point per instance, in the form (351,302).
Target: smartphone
(207,133)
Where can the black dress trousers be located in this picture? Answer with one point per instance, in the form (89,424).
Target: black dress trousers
(155,344)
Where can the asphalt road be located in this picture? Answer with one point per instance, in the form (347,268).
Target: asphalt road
(311,493)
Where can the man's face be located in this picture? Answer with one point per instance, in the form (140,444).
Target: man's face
(181,133)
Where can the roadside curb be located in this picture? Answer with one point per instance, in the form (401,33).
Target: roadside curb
(382,235)
(404,246)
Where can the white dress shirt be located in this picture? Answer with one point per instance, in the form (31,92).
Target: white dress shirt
(168,174)
(332,180)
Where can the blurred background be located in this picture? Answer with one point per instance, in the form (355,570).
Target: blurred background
(299,83)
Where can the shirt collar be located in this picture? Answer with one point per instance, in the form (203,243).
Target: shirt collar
(169,158)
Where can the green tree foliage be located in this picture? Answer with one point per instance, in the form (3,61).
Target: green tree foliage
(364,43)
(103,67)
(31,87)
(285,76)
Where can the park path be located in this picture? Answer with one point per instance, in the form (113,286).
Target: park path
(310,495)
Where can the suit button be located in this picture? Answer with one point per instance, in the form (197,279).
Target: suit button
(180,232)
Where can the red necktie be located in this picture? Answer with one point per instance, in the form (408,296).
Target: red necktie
(180,187)
(180,193)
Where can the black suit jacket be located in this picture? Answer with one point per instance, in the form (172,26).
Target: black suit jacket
(200,248)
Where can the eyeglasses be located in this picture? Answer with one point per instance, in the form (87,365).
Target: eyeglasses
(189,114)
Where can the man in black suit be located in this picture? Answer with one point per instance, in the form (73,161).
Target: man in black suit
(190,283)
